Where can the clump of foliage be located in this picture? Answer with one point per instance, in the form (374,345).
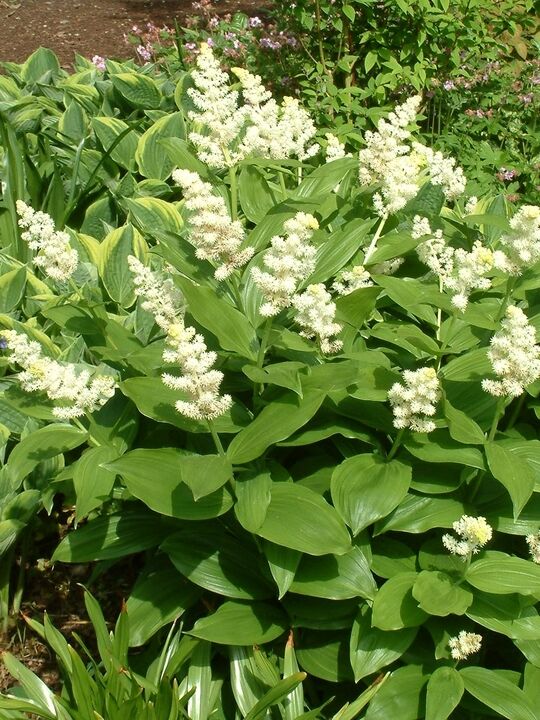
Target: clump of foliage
(324,373)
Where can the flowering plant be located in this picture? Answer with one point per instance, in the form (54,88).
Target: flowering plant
(306,378)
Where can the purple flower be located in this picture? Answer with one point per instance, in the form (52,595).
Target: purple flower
(269,44)
(3,343)
(230,35)
(213,23)
(143,52)
(210,42)
(99,62)
(449,85)
(526,99)
(190,46)
(255,22)
(506,175)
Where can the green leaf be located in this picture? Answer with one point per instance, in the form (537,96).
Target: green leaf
(438,447)
(394,606)
(373,649)
(254,193)
(437,594)
(138,89)
(42,62)
(505,614)
(149,153)
(276,694)
(338,249)
(400,697)
(93,483)
(356,307)
(218,561)
(42,445)
(35,688)
(325,655)
(113,266)
(365,488)
(418,513)
(112,536)
(300,519)
(461,427)
(107,130)
(471,366)
(283,563)
(444,690)
(504,574)
(513,472)
(155,400)
(159,596)
(179,154)
(277,421)
(242,623)
(231,327)
(172,496)
(252,490)
(336,577)
(154,216)
(498,693)
(12,286)
(282,374)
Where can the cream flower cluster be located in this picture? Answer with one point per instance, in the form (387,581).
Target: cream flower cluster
(316,312)
(215,236)
(464,644)
(358,277)
(514,355)
(290,260)
(161,298)
(387,159)
(334,148)
(260,127)
(475,532)
(415,402)
(76,391)
(55,255)
(199,381)
(399,165)
(533,541)
(458,270)
(185,347)
(522,243)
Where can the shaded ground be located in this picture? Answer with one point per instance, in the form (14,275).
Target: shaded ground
(89,27)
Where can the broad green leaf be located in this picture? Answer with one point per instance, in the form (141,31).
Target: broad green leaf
(92,482)
(247,683)
(108,129)
(461,427)
(252,490)
(242,623)
(394,606)
(391,557)
(159,596)
(199,679)
(505,614)
(283,563)
(325,655)
(149,155)
(42,445)
(293,705)
(255,195)
(172,494)
(300,519)
(115,249)
(155,400)
(324,178)
(499,694)
(9,532)
(444,690)
(230,326)
(218,561)
(472,366)
(437,594)
(373,649)
(418,513)
(112,536)
(283,374)
(180,155)
(365,488)
(277,421)
(357,306)
(39,66)
(400,696)
(336,577)
(438,446)
(12,286)
(511,471)
(35,688)
(138,89)
(275,695)
(154,216)
(338,249)
(504,574)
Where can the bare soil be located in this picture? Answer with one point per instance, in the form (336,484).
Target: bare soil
(89,27)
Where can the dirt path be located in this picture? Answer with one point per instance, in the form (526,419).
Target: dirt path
(89,27)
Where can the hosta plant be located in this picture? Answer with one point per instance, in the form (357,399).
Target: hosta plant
(303,391)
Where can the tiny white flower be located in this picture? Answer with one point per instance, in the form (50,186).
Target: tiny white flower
(533,541)
(514,355)
(415,402)
(475,533)
(522,243)
(464,644)
(334,148)
(161,298)
(55,256)
(315,312)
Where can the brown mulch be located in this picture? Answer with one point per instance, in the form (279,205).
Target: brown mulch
(89,27)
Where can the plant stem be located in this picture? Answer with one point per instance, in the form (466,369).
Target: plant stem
(395,445)
(234,193)
(515,411)
(373,243)
(282,185)
(264,342)
(215,437)
(499,408)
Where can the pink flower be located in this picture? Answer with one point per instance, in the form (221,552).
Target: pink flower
(99,62)
(143,52)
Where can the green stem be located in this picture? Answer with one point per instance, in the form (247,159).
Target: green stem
(17,597)
(395,445)
(499,408)
(234,193)
(516,411)
(264,342)
(446,342)
(282,185)
(373,243)
(319,34)
(215,437)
